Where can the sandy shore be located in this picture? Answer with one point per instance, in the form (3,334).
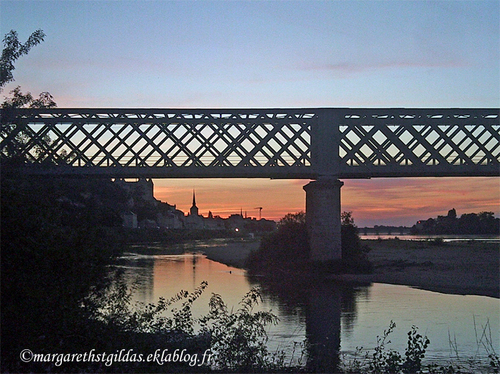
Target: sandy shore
(468,268)
(233,253)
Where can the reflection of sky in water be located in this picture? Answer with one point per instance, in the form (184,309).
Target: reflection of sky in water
(166,275)
(436,315)
(365,311)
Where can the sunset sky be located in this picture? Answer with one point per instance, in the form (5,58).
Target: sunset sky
(248,54)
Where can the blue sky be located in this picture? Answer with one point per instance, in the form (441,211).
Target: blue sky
(260,53)
(224,54)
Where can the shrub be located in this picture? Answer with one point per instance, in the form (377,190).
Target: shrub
(384,360)
(238,340)
(287,250)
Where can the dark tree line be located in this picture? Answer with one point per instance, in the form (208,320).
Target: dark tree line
(483,223)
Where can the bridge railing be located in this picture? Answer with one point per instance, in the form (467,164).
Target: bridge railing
(266,143)
(419,142)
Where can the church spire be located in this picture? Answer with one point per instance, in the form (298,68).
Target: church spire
(194,209)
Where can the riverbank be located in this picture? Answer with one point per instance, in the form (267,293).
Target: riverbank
(233,253)
(465,268)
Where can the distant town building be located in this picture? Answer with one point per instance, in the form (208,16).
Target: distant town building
(148,212)
(235,222)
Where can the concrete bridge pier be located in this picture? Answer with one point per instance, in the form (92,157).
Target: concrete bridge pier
(323,218)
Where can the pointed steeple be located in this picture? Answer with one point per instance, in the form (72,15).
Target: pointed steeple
(194,209)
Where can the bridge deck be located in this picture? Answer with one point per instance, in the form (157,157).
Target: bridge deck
(252,143)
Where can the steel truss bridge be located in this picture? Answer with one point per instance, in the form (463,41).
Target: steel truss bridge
(252,143)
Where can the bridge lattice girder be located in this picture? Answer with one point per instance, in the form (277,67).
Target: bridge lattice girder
(259,143)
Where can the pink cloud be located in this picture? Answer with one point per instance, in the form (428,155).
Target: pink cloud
(350,67)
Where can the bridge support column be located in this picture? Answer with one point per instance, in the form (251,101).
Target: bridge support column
(323,219)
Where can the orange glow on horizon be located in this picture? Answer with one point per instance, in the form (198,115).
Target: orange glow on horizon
(390,201)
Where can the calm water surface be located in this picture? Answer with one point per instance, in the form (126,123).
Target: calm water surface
(361,313)
(446,238)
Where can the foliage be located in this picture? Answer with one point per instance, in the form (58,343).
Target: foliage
(292,220)
(56,248)
(13,150)
(12,50)
(238,340)
(287,250)
(383,360)
(14,156)
(354,253)
(48,269)
(388,361)
(20,100)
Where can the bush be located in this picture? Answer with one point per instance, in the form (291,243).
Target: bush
(238,339)
(384,360)
(287,250)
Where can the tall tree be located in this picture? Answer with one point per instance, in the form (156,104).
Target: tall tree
(13,150)
(12,50)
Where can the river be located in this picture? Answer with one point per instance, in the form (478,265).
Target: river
(445,238)
(456,325)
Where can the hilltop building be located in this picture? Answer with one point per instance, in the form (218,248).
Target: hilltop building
(140,190)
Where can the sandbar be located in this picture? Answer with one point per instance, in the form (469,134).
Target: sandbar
(461,267)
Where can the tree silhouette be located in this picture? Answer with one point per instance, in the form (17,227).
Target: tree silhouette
(13,150)
(12,50)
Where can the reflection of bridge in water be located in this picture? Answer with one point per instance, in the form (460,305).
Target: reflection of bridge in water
(324,144)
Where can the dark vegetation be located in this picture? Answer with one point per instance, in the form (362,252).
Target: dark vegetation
(61,294)
(384,360)
(483,223)
(287,250)
(12,50)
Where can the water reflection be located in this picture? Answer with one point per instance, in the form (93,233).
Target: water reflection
(334,317)
(326,306)
(154,276)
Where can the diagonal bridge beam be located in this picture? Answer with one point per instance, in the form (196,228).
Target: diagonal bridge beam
(253,143)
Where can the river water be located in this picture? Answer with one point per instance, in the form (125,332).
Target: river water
(445,238)
(340,316)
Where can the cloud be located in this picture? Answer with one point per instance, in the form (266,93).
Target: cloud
(406,200)
(350,67)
